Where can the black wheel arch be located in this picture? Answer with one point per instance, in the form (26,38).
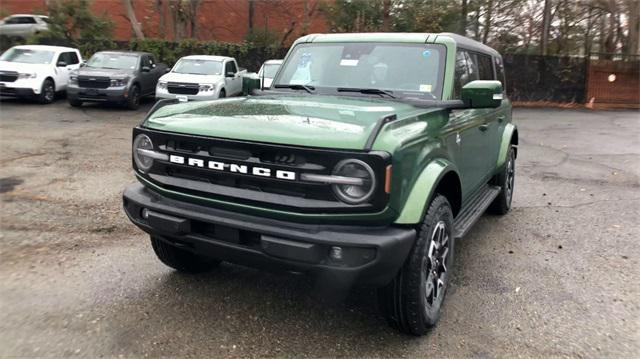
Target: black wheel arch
(450,187)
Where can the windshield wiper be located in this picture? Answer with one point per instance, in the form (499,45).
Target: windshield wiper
(371,91)
(309,89)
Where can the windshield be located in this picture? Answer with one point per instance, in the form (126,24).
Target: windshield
(113,61)
(410,70)
(27,56)
(198,67)
(270,70)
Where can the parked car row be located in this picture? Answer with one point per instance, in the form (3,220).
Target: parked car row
(123,77)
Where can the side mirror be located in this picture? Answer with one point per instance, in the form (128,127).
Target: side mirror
(482,94)
(167,70)
(61,64)
(230,74)
(83,64)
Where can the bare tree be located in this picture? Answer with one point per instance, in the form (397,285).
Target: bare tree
(131,15)
(546,25)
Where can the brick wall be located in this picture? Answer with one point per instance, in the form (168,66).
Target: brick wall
(221,20)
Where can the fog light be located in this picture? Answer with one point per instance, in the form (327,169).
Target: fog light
(336,253)
(144,213)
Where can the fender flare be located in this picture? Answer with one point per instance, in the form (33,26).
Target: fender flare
(423,190)
(510,130)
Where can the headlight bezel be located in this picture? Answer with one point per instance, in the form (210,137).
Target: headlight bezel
(137,156)
(338,188)
(206,87)
(162,85)
(27,75)
(118,82)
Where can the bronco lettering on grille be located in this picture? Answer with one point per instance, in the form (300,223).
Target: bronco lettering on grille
(233,167)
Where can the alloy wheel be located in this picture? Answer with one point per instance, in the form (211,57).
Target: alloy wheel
(435,267)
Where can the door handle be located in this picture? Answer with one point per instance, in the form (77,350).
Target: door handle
(483,127)
(500,118)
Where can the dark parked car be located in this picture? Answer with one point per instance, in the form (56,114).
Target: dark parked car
(115,76)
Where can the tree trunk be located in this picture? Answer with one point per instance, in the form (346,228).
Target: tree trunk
(251,14)
(464,10)
(546,25)
(161,14)
(633,47)
(386,8)
(131,15)
(193,17)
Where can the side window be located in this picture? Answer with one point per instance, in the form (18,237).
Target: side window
(12,21)
(230,66)
(472,67)
(71,58)
(500,72)
(63,57)
(144,61)
(460,76)
(27,20)
(485,67)
(151,61)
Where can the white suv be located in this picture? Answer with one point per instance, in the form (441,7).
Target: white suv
(23,25)
(201,77)
(37,71)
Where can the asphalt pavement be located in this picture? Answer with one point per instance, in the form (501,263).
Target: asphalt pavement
(557,276)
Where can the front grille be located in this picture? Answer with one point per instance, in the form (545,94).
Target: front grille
(94,82)
(8,76)
(180,88)
(248,187)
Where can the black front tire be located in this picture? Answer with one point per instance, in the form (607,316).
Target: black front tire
(133,101)
(74,102)
(506,180)
(47,92)
(411,303)
(180,259)
(222,94)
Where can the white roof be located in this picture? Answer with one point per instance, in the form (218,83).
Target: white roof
(273,62)
(207,57)
(45,48)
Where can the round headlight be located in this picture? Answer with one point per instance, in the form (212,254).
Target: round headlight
(354,193)
(142,142)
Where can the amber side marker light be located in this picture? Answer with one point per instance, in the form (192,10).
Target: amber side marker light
(387,180)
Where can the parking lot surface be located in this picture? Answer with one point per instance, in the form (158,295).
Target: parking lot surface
(557,276)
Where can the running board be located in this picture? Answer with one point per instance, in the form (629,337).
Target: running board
(476,206)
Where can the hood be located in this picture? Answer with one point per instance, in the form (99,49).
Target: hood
(313,121)
(191,78)
(22,67)
(101,72)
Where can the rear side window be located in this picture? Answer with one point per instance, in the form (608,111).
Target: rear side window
(485,67)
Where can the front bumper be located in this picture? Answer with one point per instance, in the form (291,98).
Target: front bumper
(201,96)
(19,88)
(369,255)
(112,94)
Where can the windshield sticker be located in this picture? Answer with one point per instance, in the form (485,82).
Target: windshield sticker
(425,88)
(426,53)
(348,62)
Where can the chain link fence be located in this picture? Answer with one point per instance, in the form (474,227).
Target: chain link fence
(536,78)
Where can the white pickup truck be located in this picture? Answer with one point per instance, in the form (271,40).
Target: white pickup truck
(37,71)
(201,77)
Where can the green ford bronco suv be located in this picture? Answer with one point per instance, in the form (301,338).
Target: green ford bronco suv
(365,161)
